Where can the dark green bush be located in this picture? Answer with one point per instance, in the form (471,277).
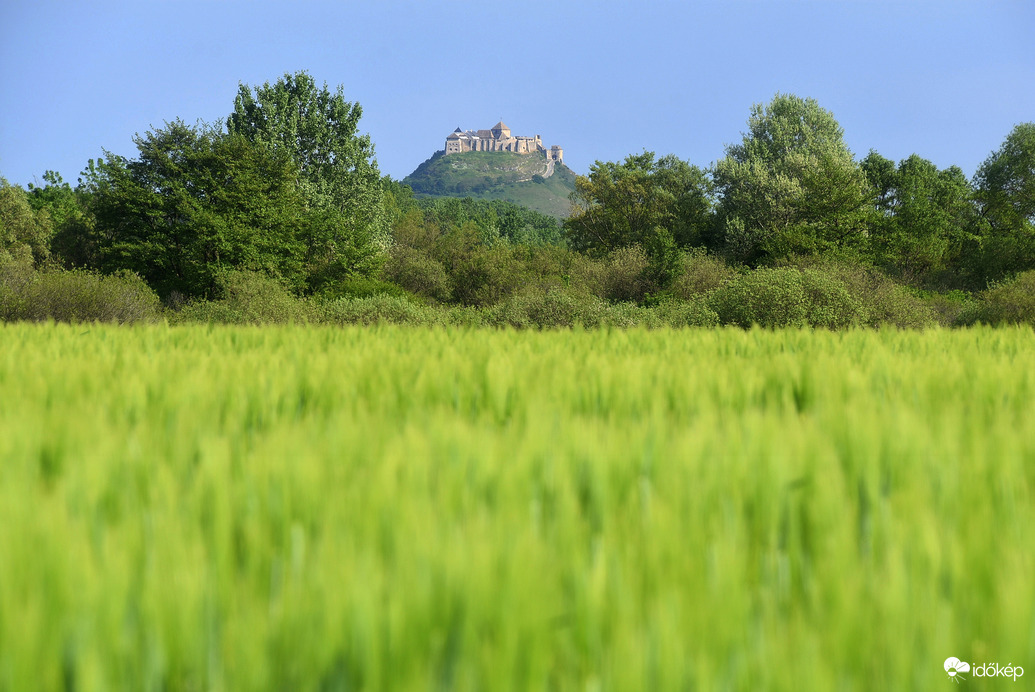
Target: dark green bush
(77,296)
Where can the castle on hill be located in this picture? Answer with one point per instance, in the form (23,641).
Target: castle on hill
(499,139)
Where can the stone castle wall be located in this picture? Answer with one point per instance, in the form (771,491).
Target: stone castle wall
(499,138)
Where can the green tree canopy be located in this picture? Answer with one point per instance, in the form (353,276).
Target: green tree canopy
(791,186)
(319,131)
(924,217)
(634,202)
(1005,193)
(195,203)
(24,232)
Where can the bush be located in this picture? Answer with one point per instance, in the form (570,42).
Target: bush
(828,302)
(381,309)
(786,297)
(77,296)
(882,300)
(248,298)
(1008,302)
(694,312)
(699,275)
(545,309)
(766,297)
(624,277)
(417,273)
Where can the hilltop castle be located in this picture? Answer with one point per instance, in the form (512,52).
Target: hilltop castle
(499,139)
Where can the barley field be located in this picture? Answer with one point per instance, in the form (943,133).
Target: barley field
(289,508)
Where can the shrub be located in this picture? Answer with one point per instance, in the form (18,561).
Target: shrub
(248,298)
(694,312)
(699,275)
(78,296)
(786,297)
(1008,302)
(766,297)
(624,275)
(380,309)
(417,273)
(828,302)
(882,300)
(551,308)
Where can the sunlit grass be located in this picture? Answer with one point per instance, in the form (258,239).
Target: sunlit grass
(299,508)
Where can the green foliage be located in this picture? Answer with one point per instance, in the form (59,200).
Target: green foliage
(786,297)
(1007,302)
(791,186)
(244,297)
(24,232)
(75,296)
(639,202)
(924,217)
(197,203)
(74,242)
(699,274)
(882,300)
(1005,194)
(319,131)
(417,272)
(382,309)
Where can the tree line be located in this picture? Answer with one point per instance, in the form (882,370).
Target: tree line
(286,193)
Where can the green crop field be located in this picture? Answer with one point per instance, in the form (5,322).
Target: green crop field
(214,508)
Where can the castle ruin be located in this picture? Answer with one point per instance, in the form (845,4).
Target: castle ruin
(499,139)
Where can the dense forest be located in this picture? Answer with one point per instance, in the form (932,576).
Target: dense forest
(280,213)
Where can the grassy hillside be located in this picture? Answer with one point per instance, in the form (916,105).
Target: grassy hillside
(501,175)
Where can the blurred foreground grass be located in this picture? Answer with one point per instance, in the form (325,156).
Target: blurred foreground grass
(212,508)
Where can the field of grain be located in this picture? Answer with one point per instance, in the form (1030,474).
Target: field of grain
(214,508)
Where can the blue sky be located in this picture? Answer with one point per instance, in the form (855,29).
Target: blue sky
(946,79)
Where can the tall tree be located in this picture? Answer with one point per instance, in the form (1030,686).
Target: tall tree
(338,174)
(197,202)
(1005,194)
(24,232)
(634,202)
(924,216)
(791,186)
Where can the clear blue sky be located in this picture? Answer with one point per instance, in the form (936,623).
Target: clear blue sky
(946,79)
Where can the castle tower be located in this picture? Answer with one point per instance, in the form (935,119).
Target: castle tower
(500,131)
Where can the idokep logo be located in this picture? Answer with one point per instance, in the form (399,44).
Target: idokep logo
(955,669)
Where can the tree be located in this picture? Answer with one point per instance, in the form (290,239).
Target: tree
(24,232)
(338,174)
(924,216)
(73,242)
(639,201)
(1005,193)
(196,203)
(791,186)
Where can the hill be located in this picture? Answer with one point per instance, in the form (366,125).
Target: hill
(526,179)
